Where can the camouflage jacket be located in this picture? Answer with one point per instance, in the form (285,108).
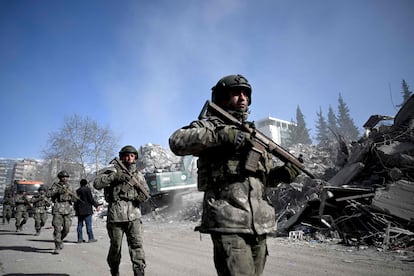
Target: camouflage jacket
(62,200)
(22,203)
(124,201)
(234,199)
(40,203)
(8,201)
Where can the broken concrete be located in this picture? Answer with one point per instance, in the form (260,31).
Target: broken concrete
(366,196)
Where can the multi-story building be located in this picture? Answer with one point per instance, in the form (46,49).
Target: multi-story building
(276,129)
(6,173)
(28,169)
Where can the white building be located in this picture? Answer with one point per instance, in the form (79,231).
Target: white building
(276,129)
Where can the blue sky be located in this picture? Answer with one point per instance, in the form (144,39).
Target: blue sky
(145,68)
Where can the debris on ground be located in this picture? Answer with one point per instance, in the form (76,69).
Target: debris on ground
(363,194)
(368,200)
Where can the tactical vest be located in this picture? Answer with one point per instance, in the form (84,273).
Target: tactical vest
(120,191)
(61,195)
(40,202)
(220,165)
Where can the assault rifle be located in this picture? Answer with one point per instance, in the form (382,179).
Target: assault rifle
(260,141)
(134,181)
(69,191)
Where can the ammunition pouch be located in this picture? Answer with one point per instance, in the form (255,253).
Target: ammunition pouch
(253,158)
(211,172)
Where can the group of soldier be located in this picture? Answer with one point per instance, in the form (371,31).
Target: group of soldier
(21,204)
(233,173)
(59,195)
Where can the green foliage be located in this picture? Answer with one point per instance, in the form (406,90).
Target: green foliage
(332,123)
(322,133)
(406,93)
(299,133)
(346,126)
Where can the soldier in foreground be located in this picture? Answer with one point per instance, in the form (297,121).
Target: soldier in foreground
(124,213)
(22,210)
(236,212)
(62,197)
(40,203)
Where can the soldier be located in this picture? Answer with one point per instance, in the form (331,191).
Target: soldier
(236,211)
(124,214)
(40,203)
(62,197)
(8,204)
(22,210)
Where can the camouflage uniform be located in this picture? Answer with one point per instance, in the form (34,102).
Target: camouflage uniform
(236,211)
(62,212)
(40,203)
(124,217)
(22,210)
(8,204)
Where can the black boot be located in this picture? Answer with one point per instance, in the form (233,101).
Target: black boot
(115,271)
(139,271)
(57,248)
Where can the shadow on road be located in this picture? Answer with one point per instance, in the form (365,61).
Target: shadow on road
(41,240)
(36,274)
(25,249)
(11,232)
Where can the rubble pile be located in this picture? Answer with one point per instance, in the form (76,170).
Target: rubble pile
(154,157)
(363,193)
(366,197)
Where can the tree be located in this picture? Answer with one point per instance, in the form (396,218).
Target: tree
(346,126)
(322,134)
(406,93)
(332,123)
(81,140)
(299,133)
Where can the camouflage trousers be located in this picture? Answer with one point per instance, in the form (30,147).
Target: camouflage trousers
(7,213)
(40,219)
(21,218)
(134,234)
(61,225)
(239,254)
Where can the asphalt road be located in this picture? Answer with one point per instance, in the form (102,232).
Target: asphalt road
(173,248)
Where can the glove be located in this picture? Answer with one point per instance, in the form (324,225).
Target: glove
(120,177)
(292,169)
(229,135)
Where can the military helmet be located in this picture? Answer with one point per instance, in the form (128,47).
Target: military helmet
(62,174)
(227,82)
(41,188)
(128,149)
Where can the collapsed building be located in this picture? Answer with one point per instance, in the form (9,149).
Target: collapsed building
(363,193)
(365,196)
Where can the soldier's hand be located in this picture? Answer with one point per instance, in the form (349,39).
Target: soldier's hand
(292,169)
(120,177)
(230,135)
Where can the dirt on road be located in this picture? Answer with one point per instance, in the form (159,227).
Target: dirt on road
(173,249)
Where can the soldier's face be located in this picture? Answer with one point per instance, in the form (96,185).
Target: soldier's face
(128,158)
(237,100)
(64,179)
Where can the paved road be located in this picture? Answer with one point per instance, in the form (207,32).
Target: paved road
(174,249)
